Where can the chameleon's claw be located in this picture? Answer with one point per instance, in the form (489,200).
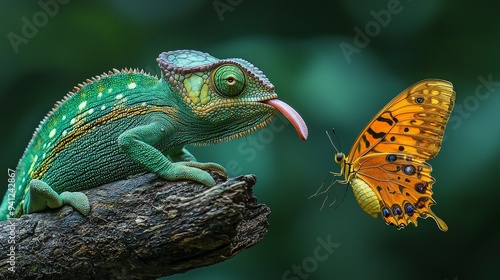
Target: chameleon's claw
(208,166)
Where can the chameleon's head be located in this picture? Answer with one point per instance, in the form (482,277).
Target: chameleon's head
(230,95)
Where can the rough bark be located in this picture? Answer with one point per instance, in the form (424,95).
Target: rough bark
(140,228)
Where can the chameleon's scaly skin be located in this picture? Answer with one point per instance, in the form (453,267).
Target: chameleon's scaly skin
(126,122)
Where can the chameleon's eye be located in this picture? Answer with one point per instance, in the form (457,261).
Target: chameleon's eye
(229,80)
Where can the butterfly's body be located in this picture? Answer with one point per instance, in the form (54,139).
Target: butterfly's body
(387,166)
(366,198)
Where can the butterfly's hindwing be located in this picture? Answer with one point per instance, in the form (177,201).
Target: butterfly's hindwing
(402,183)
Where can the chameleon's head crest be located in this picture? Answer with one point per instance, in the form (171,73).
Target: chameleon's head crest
(220,91)
(177,66)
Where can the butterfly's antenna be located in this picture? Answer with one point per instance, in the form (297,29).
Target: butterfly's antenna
(334,181)
(338,140)
(331,142)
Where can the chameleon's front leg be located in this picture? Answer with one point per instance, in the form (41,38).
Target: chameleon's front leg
(138,143)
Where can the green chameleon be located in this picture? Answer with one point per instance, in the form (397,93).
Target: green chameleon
(127,122)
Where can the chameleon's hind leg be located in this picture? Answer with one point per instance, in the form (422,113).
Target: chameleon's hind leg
(41,196)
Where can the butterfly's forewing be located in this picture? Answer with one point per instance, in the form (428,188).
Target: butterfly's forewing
(390,153)
(412,123)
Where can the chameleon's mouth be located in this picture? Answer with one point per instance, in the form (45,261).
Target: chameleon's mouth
(293,117)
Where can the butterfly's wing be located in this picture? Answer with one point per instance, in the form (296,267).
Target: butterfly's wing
(390,153)
(403,186)
(412,123)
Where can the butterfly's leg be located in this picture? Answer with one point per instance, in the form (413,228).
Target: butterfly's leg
(327,191)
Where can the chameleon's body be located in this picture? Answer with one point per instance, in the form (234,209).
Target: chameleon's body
(126,122)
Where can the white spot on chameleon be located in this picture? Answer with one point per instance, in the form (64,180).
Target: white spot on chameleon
(99,95)
(63,117)
(119,96)
(73,120)
(90,111)
(110,90)
(44,155)
(64,132)
(132,85)
(52,133)
(103,107)
(82,105)
(143,104)
(33,163)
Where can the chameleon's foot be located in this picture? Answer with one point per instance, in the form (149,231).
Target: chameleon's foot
(42,196)
(208,166)
(194,171)
(78,200)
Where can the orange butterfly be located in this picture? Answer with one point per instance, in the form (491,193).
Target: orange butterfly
(387,166)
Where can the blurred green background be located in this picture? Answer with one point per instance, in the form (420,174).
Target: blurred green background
(320,64)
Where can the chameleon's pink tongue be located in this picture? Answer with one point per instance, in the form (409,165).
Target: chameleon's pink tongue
(291,115)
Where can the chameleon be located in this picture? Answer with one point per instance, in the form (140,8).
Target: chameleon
(126,122)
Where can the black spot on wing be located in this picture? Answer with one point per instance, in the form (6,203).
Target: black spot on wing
(401,188)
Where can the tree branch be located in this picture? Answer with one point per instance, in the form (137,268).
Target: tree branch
(140,228)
